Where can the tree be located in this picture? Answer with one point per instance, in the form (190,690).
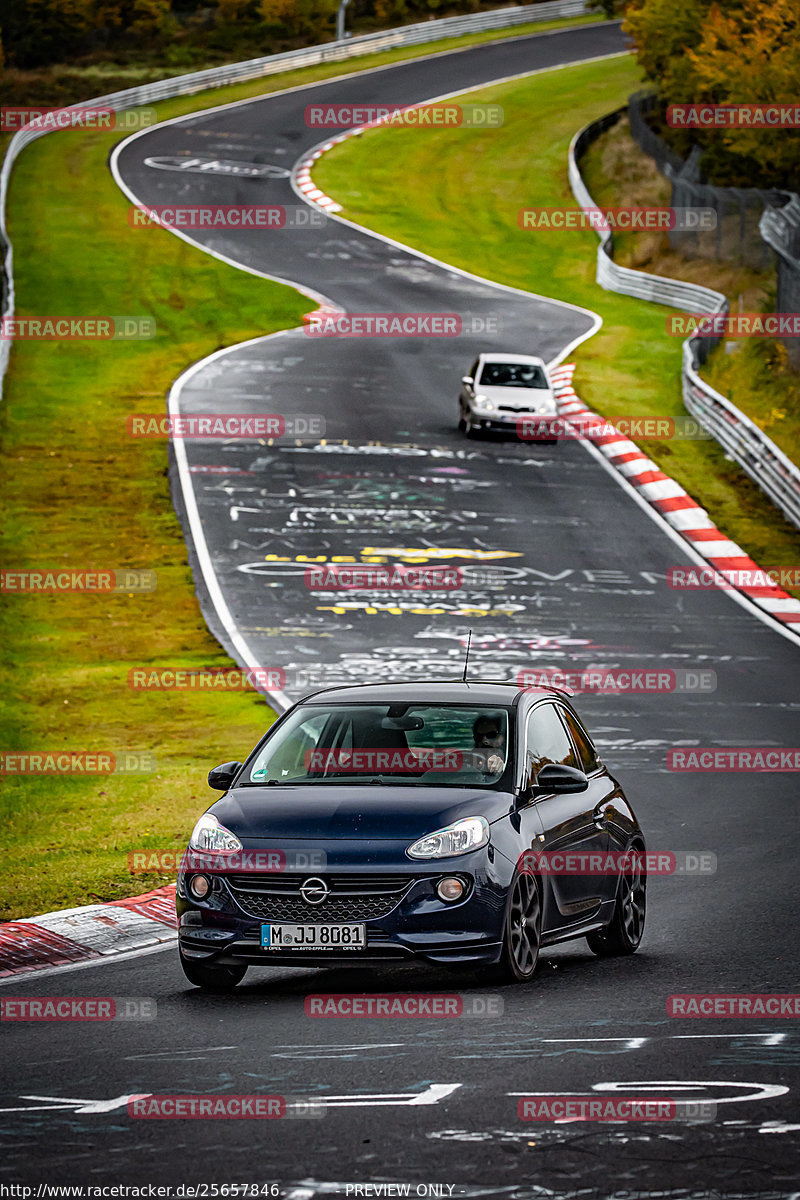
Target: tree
(37,32)
(752,55)
(694,51)
(662,32)
(301,17)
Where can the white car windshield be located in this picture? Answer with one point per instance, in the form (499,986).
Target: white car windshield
(521,375)
(412,744)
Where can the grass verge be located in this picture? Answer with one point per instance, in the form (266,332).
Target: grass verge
(79,493)
(456,194)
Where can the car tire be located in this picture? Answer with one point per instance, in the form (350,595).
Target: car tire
(212,978)
(624,931)
(522,936)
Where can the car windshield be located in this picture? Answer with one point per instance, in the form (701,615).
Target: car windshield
(510,374)
(412,744)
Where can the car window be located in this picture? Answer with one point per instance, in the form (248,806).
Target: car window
(473,371)
(521,375)
(441,744)
(547,741)
(289,757)
(589,760)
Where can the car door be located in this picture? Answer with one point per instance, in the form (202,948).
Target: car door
(572,823)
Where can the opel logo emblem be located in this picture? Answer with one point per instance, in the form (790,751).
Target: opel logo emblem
(315,891)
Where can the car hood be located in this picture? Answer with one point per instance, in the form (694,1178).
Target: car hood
(521,398)
(330,812)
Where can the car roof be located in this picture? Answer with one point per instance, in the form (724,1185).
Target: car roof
(494,356)
(478,691)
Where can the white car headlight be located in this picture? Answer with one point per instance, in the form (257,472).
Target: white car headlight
(482,404)
(460,838)
(209,835)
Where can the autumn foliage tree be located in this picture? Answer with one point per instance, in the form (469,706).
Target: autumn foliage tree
(747,51)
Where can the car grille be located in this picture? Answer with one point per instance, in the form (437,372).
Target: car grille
(351,897)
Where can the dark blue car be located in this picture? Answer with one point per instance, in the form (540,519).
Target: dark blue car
(451,823)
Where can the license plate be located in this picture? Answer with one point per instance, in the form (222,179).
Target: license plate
(313,937)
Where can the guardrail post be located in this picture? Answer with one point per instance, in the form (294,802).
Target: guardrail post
(340,35)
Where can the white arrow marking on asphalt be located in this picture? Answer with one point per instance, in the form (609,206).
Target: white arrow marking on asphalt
(631,1043)
(766,1091)
(431,1095)
(82,1106)
(770,1039)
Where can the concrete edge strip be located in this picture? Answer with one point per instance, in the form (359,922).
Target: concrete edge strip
(676,506)
(93,931)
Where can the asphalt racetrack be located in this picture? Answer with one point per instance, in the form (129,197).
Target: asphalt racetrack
(578,579)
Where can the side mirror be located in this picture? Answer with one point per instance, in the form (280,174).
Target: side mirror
(221,778)
(558,778)
(467,379)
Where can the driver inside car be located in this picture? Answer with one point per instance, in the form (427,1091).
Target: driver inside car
(487,734)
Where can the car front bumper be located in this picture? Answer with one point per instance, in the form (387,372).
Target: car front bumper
(527,426)
(225,927)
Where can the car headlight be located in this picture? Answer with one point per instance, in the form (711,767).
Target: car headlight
(482,404)
(460,838)
(208,834)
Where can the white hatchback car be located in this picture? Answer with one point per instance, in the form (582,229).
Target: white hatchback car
(500,390)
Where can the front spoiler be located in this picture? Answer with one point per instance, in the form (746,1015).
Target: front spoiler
(242,950)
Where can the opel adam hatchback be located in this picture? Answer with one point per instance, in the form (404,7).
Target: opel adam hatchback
(388,823)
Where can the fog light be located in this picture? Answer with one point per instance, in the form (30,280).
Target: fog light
(450,888)
(199,886)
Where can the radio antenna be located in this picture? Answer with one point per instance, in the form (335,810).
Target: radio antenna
(466,657)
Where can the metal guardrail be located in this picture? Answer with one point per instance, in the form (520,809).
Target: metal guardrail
(739,437)
(256,68)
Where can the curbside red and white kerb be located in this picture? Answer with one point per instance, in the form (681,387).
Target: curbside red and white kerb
(93,931)
(675,505)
